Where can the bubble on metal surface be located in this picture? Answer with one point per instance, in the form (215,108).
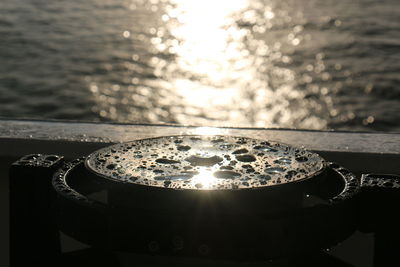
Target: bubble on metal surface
(204,162)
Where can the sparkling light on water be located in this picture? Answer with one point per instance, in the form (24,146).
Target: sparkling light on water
(256,63)
(222,63)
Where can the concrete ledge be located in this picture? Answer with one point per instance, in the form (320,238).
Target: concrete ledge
(361,152)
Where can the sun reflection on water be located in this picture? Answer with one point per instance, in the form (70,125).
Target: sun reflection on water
(217,63)
(208,38)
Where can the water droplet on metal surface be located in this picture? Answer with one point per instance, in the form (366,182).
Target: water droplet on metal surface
(283,161)
(226,174)
(173,177)
(167,161)
(265,148)
(203,161)
(246,158)
(240,151)
(111,166)
(302,159)
(274,170)
(183,148)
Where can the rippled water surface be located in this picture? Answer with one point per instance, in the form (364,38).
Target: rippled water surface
(314,64)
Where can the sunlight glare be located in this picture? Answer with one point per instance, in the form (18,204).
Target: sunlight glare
(205,178)
(205,36)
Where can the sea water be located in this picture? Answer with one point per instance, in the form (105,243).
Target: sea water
(309,64)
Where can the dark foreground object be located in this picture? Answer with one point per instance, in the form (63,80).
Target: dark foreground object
(290,223)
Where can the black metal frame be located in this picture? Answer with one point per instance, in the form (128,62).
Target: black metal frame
(35,232)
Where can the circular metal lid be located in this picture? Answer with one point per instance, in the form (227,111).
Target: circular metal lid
(204,163)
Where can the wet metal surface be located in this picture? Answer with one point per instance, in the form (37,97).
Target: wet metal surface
(204,162)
